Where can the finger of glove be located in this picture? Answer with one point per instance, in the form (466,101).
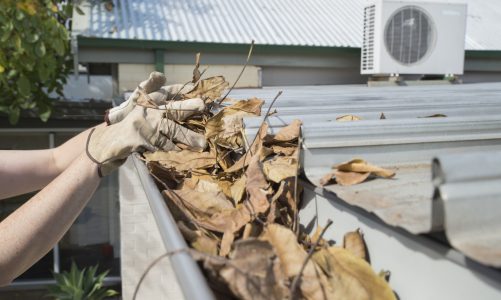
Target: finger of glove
(176,91)
(171,130)
(153,83)
(181,110)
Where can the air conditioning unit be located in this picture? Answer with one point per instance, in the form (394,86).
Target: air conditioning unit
(411,37)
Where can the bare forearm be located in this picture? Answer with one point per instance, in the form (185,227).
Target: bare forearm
(33,229)
(23,171)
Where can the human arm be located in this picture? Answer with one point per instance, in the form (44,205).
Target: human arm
(24,171)
(32,230)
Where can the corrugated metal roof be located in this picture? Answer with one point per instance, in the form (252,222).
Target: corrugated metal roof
(269,22)
(404,141)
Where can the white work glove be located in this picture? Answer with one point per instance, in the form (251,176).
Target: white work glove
(144,129)
(153,87)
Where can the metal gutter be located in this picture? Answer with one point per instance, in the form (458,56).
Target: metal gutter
(84,41)
(468,192)
(190,278)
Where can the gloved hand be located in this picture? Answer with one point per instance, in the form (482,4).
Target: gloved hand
(153,87)
(144,129)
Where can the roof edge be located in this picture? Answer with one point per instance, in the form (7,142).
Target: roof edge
(211,47)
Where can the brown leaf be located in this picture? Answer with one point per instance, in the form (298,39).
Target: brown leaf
(254,272)
(201,204)
(287,150)
(348,118)
(361,166)
(226,127)
(257,186)
(255,148)
(198,240)
(350,178)
(351,277)
(183,160)
(196,71)
(327,178)
(314,284)
(210,88)
(226,243)
(238,189)
(382,116)
(354,242)
(280,168)
(316,235)
(435,116)
(287,134)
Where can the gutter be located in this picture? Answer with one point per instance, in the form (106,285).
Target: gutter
(191,280)
(84,41)
(211,47)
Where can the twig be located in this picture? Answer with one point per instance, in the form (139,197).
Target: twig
(241,72)
(262,122)
(295,226)
(296,280)
(151,265)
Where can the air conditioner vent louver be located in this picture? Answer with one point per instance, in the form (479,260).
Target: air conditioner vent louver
(409,35)
(368,43)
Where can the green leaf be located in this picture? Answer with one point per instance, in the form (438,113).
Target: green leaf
(14,115)
(32,37)
(44,113)
(79,10)
(40,49)
(11,74)
(23,85)
(2,69)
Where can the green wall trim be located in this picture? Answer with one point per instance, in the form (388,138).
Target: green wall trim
(483,54)
(159,60)
(210,47)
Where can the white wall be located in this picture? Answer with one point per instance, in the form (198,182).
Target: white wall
(130,75)
(141,243)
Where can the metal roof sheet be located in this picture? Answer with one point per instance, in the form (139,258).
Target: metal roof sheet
(404,141)
(269,22)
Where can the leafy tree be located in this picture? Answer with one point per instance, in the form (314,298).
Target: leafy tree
(34,55)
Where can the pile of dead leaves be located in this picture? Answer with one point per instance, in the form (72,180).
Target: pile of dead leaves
(236,204)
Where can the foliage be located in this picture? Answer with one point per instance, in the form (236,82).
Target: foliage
(34,55)
(80,284)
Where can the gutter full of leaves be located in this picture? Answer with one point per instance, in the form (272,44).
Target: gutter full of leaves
(236,204)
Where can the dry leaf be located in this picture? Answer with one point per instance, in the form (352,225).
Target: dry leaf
(361,166)
(284,150)
(226,127)
(254,272)
(226,243)
(184,160)
(255,148)
(316,235)
(354,242)
(327,178)
(198,240)
(201,204)
(435,116)
(210,89)
(350,178)
(238,189)
(292,256)
(382,116)
(288,133)
(196,71)
(348,118)
(351,277)
(280,168)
